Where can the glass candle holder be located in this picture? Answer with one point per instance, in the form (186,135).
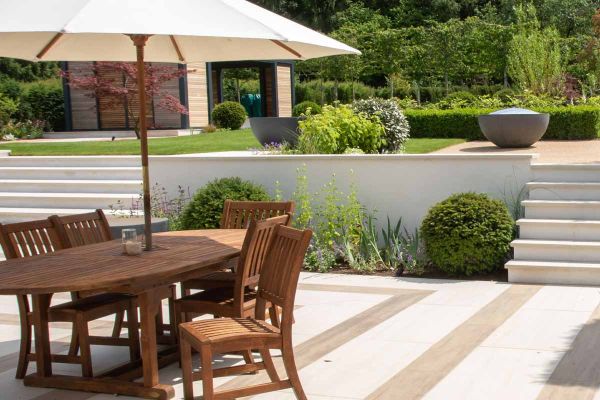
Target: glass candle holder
(132,245)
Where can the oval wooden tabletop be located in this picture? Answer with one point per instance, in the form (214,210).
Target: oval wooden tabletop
(103,266)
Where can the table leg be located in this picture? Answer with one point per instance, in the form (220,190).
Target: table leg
(148,303)
(41,304)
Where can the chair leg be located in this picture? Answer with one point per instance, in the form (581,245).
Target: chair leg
(292,373)
(133,333)
(118,324)
(269,365)
(207,373)
(74,346)
(25,348)
(172,321)
(84,346)
(186,366)
(248,358)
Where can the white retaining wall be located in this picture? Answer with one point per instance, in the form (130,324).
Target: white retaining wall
(396,185)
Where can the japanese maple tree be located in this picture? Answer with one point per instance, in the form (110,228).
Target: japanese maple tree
(116,83)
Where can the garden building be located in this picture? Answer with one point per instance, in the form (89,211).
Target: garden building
(199,90)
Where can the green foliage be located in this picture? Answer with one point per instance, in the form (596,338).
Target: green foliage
(339,128)
(534,57)
(43,101)
(206,207)
(572,123)
(27,71)
(229,115)
(468,233)
(22,130)
(11,88)
(8,107)
(303,107)
(391,116)
(325,92)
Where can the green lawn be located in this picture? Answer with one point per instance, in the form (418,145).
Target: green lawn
(203,143)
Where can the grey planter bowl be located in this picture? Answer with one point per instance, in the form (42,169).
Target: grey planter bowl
(514,127)
(275,129)
(118,224)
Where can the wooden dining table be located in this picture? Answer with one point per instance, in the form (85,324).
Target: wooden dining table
(176,257)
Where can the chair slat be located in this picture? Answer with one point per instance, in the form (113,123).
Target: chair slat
(83,229)
(239,214)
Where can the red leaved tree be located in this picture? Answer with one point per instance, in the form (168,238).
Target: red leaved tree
(117,85)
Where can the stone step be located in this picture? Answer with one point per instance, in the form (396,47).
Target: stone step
(556,250)
(10,215)
(69,200)
(559,229)
(566,172)
(76,173)
(70,185)
(562,209)
(549,272)
(564,190)
(70,161)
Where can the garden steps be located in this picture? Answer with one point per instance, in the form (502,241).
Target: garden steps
(564,190)
(559,235)
(547,272)
(36,187)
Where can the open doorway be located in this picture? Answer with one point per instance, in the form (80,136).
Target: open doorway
(242,85)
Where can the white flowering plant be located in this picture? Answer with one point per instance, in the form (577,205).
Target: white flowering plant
(397,129)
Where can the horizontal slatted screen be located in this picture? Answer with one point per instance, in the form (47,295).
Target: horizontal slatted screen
(284,90)
(84,114)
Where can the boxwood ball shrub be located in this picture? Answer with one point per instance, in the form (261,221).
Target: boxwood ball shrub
(467,233)
(302,108)
(229,115)
(339,128)
(391,116)
(206,207)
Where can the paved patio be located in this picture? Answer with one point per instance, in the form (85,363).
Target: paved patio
(364,337)
(550,151)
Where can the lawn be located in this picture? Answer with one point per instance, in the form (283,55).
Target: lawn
(203,143)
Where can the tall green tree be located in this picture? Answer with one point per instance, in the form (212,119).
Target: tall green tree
(534,57)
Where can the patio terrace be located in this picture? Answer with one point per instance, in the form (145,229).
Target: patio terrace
(367,337)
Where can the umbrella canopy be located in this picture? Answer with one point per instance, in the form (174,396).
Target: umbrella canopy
(176,31)
(182,30)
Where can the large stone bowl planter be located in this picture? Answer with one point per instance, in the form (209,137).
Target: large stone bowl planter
(117,224)
(514,127)
(269,130)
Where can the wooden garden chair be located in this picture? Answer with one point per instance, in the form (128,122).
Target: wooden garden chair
(238,215)
(276,287)
(30,239)
(90,228)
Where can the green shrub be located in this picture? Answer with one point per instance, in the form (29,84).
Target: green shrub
(45,102)
(229,115)
(11,88)
(22,130)
(468,233)
(7,108)
(572,122)
(339,128)
(505,94)
(392,118)
(301,108)
(206,207)
(324,91)
(459,123)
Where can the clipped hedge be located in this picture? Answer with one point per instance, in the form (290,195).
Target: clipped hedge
(566,123)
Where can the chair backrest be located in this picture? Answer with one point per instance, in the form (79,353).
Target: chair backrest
(255,247)
(28,239)
(280,273)
(238,214)
(83,229)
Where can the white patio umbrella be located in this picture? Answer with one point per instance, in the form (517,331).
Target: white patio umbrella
(176,31)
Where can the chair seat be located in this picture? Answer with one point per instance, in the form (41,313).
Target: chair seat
(216,279)
(219,296)
(229,329)
(100,305)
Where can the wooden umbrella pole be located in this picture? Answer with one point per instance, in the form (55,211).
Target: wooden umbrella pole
(140,43)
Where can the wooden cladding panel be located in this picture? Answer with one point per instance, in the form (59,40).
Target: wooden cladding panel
(269,92)
(163,118)
(284,90)
(135,105)
(112,116)
(197,94)
(83,104)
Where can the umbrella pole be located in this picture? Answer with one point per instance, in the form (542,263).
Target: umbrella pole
(140,42)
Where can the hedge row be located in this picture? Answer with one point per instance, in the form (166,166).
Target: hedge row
(568,123)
